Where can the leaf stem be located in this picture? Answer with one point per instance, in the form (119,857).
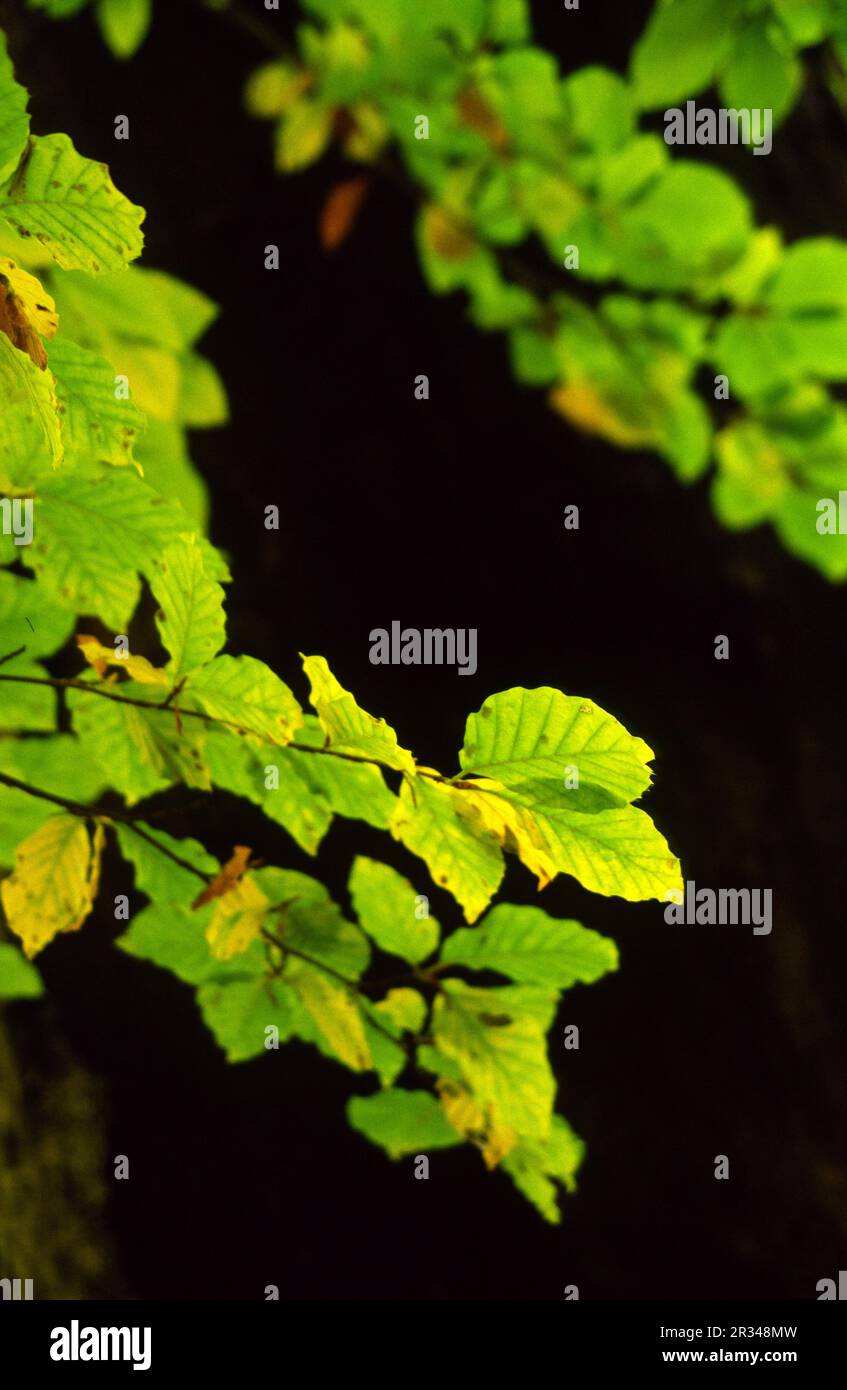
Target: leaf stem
(79,808)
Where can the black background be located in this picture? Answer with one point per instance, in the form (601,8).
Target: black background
(449,513)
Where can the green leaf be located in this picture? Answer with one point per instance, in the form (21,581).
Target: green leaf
(30,433)
(191,619)
(97,427)
(238,1010)
(537,1165)
(163,455)
(310,788)
(106,736)
(796,517)
(806,21)
(386,906)
(247,694)
(45,763)
(124,24)
(173,748)
(202,400)
(354,790)
(93,536)
(527,945)
(527,739)
(429,823)
(18,978)
(508,22)
(618,853)
(173,938)
(135,306)
(812,275)
(760,75)
(14,121)
(50,623)
(800,323)
(599,108)
(348,728)
(402,1009)
(402,1122)
(689,224)
(751,477)
(59,9)
(27,707)
(497,1039)
(683,47)
(168,932)
(70,205)
(313,924)
(534,362)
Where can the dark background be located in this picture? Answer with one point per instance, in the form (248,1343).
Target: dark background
(449,513)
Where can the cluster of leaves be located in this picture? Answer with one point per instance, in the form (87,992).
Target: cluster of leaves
(123,23)
(748,49)
(270,954)
(513,153)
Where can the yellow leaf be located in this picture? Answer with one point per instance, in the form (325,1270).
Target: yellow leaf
(513,827)
(334,1010)
(580,403)
(478,1126)
(138,668)
(274,88)
(26,310)
(54,881)
(237,919)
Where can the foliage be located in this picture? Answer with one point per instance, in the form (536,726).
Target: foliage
(668,284)
(122,23)
(100,378)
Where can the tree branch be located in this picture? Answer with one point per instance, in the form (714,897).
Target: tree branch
(86,812)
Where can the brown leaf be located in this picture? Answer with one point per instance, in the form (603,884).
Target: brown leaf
(475,112)
(15,324)
(227,877)
(341,209)
(446,235)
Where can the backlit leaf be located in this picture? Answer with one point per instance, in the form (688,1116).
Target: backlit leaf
(385,904)
(532,948)
(70,205)
(54,882)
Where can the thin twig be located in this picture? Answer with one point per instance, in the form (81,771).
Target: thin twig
(79,808)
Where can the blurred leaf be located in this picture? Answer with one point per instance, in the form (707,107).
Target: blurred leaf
(18,978)
(124,24)
(684,46)
(14,121)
